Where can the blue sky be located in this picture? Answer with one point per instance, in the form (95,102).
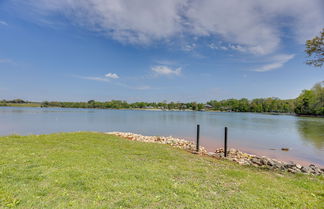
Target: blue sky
(149,50)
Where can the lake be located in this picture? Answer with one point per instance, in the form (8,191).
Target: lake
(253,133)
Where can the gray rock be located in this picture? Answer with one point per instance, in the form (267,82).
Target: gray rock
(256,161)
(264,161)
(306,169)
(218,155)
(270,163)
(289,165)
(298,166)
(317,170)
(312,166)
(212,154)
(291,170)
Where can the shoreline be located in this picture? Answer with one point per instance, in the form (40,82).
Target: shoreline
(234,155)
(32,105)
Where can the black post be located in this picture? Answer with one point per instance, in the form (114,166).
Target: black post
(225,143)
(197,143)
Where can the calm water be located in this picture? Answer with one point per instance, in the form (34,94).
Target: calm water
(254,133)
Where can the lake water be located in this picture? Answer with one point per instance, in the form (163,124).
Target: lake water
(253,133)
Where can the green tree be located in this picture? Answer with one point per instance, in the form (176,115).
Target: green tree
(303,103)
(311,102)
(315,50)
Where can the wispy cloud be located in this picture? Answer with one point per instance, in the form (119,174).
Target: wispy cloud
(253,26)
(5,61)
(161,70)
(189,47)
(106,78)
(109,80)
(141,87)
(112,75)
(278,62)
(3,23)
(257,50)
(165,62)
(94,78)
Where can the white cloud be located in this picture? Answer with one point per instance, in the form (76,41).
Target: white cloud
(213,46)
(107,77)
(278,62)
(257,26)
(164,70)
(138,21)
(112,75)
(94,78)
(3,23)
(189,47)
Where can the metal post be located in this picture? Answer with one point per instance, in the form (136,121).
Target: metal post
(197,143)
(225,143)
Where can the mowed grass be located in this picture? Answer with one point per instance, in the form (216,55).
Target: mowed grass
(93,170)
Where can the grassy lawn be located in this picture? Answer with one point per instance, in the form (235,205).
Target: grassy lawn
(93,170)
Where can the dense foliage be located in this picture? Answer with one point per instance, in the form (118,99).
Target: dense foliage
(117,104)
(255,105)
(310,102)
(235,105)
(14,101)
(315,50)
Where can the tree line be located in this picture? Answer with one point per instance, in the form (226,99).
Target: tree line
(309,102)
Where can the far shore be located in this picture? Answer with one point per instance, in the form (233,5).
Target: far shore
(38,105)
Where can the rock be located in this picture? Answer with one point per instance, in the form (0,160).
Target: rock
(306,169)
(233,154)
(256,161)
(290,165)
(270,162)
(264,161)
(243,162)
(291,170)
(212,154)
(219,155)
(316,170)
(298,166)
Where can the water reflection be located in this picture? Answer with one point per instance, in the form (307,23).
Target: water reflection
(312,131)
(261,134)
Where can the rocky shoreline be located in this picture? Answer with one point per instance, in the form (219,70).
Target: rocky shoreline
(232,155)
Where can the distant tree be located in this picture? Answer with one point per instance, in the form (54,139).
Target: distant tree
(45,104)
(243,105)
(311,102)
(193,105)
(17,101)
(315,50)
(200,106)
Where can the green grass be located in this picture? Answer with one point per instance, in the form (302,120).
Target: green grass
(92,170)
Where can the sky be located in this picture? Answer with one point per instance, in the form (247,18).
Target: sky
(153,50)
